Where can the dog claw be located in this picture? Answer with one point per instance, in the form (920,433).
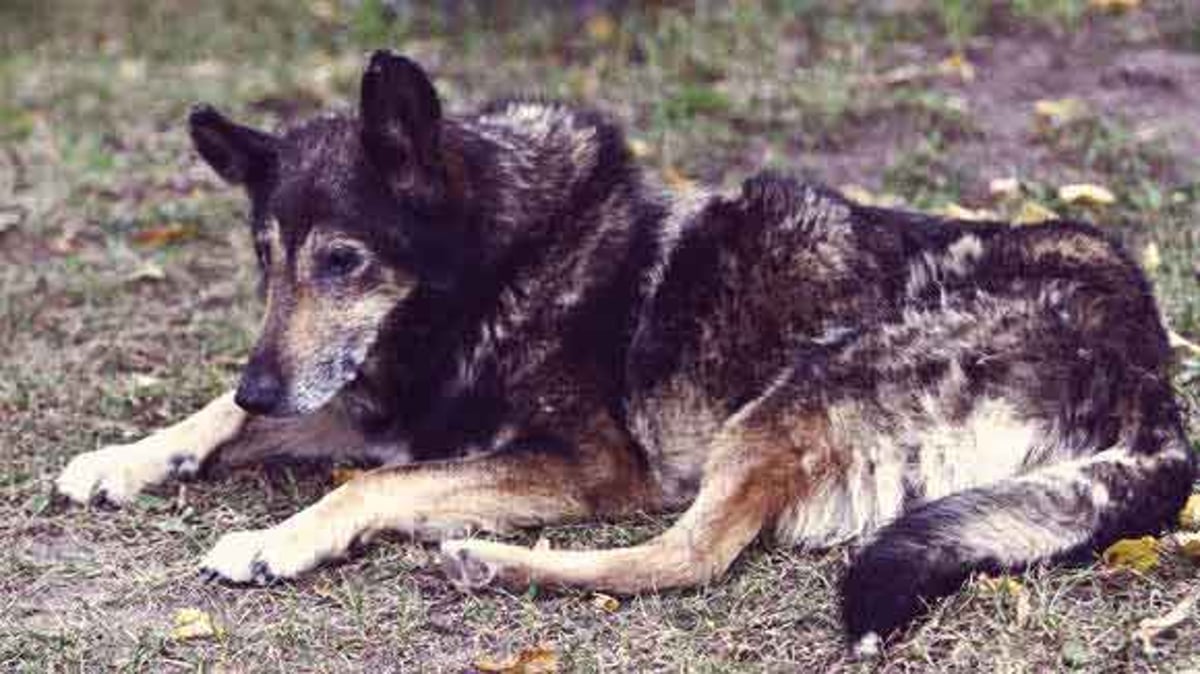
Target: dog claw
(261,574)
(465,570)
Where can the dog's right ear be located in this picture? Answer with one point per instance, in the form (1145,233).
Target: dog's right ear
(239,154)
(401,122)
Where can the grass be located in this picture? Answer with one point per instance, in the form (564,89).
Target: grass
(98,184)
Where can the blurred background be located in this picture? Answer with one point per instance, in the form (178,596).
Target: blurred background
(127,287)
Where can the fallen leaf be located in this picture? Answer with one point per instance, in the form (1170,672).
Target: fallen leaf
(676,179)
(1004,188)
(904,74)
(1149,628)
(1086,194)
(639,148)
(1189,545)
(1178,341)
(538,660)
(957,65)
(1033,213)
(1137,554)
(606,603)
(340,475)
(157,237)
(601,27)
(1004,586)
(958,212)
(1114,6)
(149,271)
(860,194)
(192,623)
(1055,113)
(1189,516)
(1151,257)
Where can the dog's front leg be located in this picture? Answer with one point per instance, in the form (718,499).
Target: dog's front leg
(432,501)
(117,473)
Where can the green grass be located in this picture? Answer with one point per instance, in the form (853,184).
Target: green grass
(93,152)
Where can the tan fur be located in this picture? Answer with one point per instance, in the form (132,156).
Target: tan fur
(766,458)
(430,501)
(119,472)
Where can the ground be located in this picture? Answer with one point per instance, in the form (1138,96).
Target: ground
(127,299)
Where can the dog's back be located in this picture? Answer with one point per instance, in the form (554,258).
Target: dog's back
(969,396)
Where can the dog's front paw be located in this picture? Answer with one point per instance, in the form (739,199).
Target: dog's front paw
(114,475)
(264,556)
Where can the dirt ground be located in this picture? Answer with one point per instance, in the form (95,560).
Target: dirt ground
(127,299)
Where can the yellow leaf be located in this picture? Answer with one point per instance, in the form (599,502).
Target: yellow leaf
(957,65)
(340,475)
(1178,341)
(1004,188)
(601,27)
(1058,112)
(1114,6)
(861,195)
(1138,554)
(1004,586)
(149,271)
(676,179)
(639,148)
(1189,517)
(1151,257)
(1086,194)
(192,623)
(606,603)
(1032,213)
(538,660)
(1189,545)
(957,212)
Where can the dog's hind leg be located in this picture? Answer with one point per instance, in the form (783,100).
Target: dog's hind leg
(117,473)
(765,458)
(496,492)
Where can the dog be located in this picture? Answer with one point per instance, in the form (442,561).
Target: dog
(519,328)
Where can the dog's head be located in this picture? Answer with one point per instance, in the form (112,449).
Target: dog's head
(350,218)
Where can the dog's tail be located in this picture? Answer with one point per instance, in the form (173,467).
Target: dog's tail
(1060,513)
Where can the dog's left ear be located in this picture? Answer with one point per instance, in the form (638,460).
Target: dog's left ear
(239,154)
(401,122)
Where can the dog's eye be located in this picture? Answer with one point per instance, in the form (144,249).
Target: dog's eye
(341,261)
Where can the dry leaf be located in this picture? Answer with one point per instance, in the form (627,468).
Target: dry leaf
(639,148)
(957,65)
(601,27)
(606,603)
(340,475)
(1178,341)
(192,623)
(1114,6)
(1055,113)
(157,237)
(1189,516)
(860,194)
(1004,586)
(538,660)
(1150,628)
(677,180)
(1086,194)
(957,212)
(1005,188)
(1033,213)
(1137,554)
(149,271)
(1189,545)
(1151,257)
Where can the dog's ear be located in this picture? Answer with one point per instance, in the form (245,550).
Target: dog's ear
(401,122)
(239,154)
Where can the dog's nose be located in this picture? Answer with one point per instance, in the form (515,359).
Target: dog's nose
(260,392)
